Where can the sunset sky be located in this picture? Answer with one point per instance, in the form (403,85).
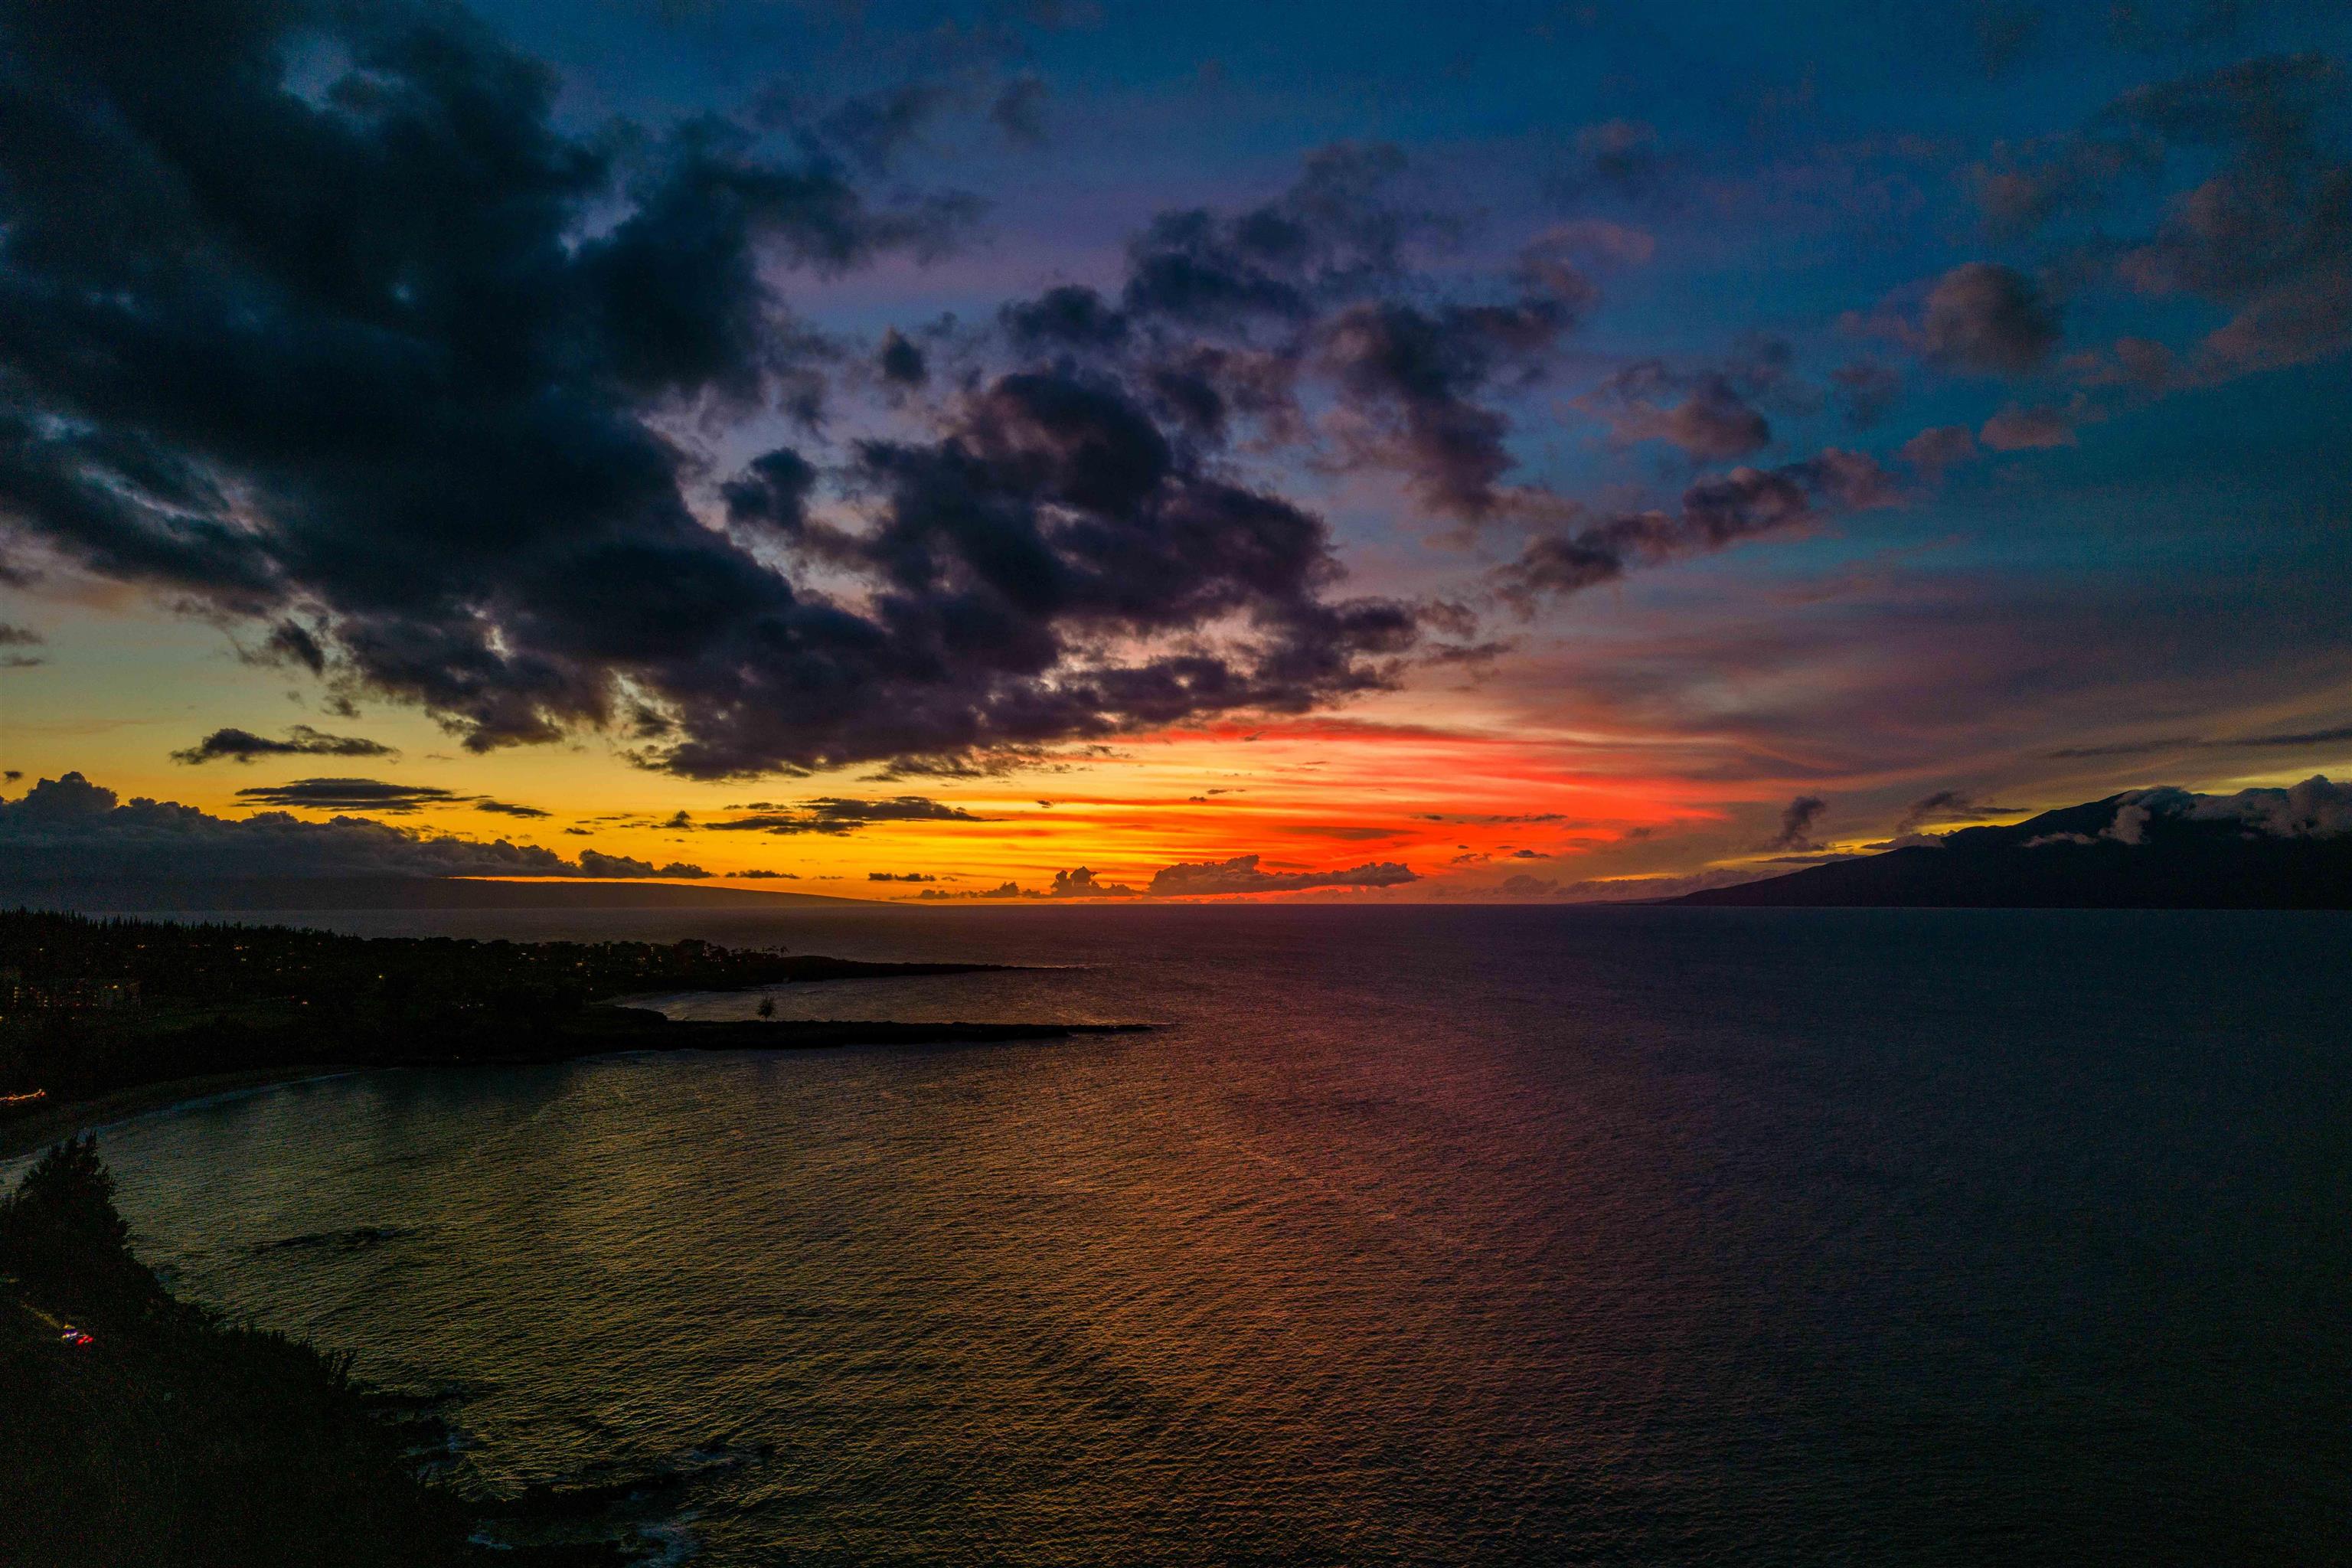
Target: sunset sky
(1442,452)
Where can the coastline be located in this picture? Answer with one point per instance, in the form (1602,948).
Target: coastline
(28,1135)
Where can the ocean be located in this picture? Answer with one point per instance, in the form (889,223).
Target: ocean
(1411,1235)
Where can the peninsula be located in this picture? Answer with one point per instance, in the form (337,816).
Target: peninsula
(102,1018)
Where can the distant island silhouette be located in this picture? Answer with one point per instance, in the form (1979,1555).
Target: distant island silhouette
(2158,848)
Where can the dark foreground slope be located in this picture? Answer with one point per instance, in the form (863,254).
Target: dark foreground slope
(175,1438)
(2147,849)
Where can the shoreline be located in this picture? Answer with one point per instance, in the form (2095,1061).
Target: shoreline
(27,1136)
(71,1119)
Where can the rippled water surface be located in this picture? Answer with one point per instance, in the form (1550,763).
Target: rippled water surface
(1416,1236)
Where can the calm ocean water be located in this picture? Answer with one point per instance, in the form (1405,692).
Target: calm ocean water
(1417,1236)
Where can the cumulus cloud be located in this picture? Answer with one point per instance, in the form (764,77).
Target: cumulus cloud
(900,361)
(1797,821)
(1241,875)
(350,795)
(1714,513)
(14,638)
(595,864)
(1224,317)
(1413,376)
(1205,878)
(2261,231)
(1942,447)
(2022,429)
(302,741)
(1706,416)
(435,460)
(68,827)
(836,814)
(1986,319)
(1001,891)
(2315,808)
(1081,883)
(1868,391)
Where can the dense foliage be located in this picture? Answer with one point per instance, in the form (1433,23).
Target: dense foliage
(173,1437)
(193,1000)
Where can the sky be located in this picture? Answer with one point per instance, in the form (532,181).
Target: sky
(935,451)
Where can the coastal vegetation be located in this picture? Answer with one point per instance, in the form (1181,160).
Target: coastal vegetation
(95,1008)
(156,1431)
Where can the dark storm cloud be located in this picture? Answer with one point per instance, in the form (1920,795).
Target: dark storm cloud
(1796,820)
(834,815)
(1414,375)
(1225,316)
(875,128)
(350,795)
(1335,233)
(1055,507)
(900,361)
(1241,875)
(1714,513)
(70,826)
(773,492)
(373,363)
(1067,317)
(302,741)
